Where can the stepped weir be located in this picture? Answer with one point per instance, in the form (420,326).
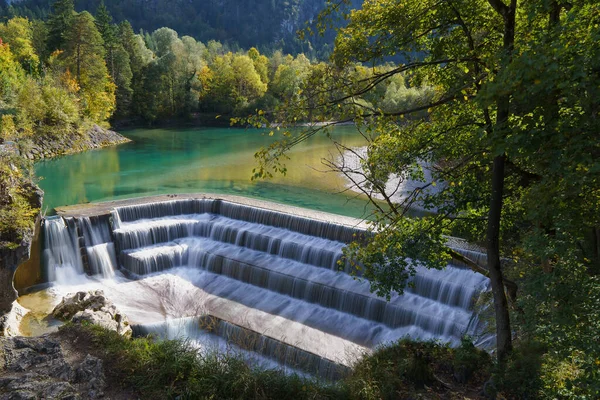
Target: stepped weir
(269,283)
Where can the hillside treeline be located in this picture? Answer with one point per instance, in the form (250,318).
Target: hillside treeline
(75,69)
(266,24)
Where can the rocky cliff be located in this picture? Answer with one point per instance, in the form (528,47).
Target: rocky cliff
(10,258)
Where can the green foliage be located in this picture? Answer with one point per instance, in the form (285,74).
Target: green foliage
(478,110)
(387,259)
(83,56)
(266,24)
(403,369)
(175,369)
(17,214)
(11,74)
(469,360)
(18,33)
(230,83)
(58,22)
(57,103)
(520,378)
(562,312)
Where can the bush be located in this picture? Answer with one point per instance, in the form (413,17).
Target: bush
(17,215)
(520,377)
(398,370)
(175,369)
(468,360)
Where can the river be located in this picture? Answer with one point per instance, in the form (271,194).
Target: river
(211,160)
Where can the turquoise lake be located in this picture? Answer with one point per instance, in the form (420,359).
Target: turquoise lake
(210,160)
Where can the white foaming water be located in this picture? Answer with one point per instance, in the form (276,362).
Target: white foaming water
(102,259)
(61,251)
(100,250)
(264,272)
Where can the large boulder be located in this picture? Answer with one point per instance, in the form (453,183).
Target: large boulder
(95,308)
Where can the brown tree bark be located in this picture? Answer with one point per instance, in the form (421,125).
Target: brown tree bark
(503,329)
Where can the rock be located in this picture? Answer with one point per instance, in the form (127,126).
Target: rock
(67,143)
(10,323)
(91,373)
(95,308)
(10,259)
(36,368)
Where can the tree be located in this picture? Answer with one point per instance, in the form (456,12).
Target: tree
(139,57)
(108,31)
(39,38)
(84,56)
(18,33)
(490,127)
(289,76)
(230,84)
(179,60)
(122,78)
(117,59)
(261,64)
(11,78)
(58,23)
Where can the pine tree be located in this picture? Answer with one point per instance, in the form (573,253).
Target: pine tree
(58,23)
(84,56)
(108,31)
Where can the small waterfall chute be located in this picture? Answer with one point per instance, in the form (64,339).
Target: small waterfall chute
(61,255)
(100,249)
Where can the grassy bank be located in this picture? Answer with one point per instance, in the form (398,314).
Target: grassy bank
(173,369)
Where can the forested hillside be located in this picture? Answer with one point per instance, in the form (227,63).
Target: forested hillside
(105,70)
(266,24)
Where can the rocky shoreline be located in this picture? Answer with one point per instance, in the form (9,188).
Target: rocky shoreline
(47,147)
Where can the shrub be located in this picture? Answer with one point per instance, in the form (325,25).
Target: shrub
(175,369)
(468,359)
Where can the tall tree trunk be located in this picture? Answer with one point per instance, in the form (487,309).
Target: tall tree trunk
(503,330)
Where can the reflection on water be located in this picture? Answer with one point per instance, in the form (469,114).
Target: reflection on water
(38,320)
(213,160)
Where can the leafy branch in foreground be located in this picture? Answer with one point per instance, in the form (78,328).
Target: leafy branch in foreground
(503,136)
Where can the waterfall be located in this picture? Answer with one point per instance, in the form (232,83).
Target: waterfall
(61,256)
(99,246)
(250,255)
(63,239)
(256,267)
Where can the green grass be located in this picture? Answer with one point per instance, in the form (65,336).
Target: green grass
(168,369)
(172,369)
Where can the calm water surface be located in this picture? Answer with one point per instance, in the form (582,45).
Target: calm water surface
(213,160)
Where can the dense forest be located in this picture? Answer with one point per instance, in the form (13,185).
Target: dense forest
(265,24)
(103,70)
